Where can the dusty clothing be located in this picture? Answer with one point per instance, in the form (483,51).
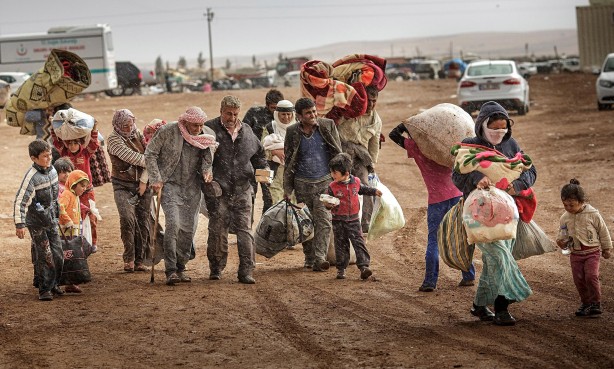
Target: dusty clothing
(234,161)
(347,193)
(364,130)
(309,193)
(330,136)
(170,159)
(346,232)
(234,211)
(588,230)
(257,118)
(70,205)
(47,257)
(134,220)
(127,156)
(233,168)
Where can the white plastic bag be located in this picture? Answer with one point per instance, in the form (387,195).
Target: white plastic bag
(87,229)
(490,215)
(72,124)
(387,214)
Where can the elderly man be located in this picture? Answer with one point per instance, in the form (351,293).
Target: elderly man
(309,145)
(240,151)
(360,137)
(178,159)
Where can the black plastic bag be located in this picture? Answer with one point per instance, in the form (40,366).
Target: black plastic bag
(76,270)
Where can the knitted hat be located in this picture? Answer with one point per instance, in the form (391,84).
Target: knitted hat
(284,106)
(193,114)
(489,109)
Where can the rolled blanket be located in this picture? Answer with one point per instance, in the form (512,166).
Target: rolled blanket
(500,169)
(63,76)
(317,83)
(273,142)
(366,69)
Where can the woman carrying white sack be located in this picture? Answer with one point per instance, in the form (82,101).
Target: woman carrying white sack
(501,281)
(273,143)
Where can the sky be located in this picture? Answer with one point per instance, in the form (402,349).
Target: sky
(146,29)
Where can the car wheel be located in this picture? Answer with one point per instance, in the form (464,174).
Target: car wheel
(129,91)
(601,106)
(522,110)
(115,92)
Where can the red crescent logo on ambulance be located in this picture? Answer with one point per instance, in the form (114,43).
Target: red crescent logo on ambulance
(21,51)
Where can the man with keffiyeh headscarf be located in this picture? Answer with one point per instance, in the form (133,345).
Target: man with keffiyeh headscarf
(126,147)
(178,159)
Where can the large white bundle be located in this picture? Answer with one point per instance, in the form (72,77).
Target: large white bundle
(72,124)
(437,129)
(490,215)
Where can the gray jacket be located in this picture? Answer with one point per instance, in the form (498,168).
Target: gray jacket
(164,151)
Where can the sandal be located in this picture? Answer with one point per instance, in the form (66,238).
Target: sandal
(140,268)
(129,267)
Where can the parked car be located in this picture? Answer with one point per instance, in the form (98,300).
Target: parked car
(527,69)
(570,65)
(493,80)
(129,79)
(14,79)
(605,84)
(149,77)
(428,69)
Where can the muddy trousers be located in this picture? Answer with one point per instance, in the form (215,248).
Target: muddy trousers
(585,270)
(134,220)
(309,193)
(344,232)
(231,210)
(181,213)
(47,257)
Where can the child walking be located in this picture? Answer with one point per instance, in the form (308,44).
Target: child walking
(70,209)
(36,208)
(346,223)
(591,239)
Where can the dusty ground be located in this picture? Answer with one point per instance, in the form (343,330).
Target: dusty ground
(300,319)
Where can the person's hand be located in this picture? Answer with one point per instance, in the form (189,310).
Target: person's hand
(561,243)
(142,188)
(511,191)
(93,219)
(286,197)
(21,233)
(95,127)
(606,253)
(280,153)
(378,193)
(156,186)
(208,177)
(484,183)
(329,206)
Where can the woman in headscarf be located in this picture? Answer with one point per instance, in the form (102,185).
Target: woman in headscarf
(126,147)
(283,116)
(501,281)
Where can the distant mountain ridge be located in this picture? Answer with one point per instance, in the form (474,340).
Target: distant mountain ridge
(484,44)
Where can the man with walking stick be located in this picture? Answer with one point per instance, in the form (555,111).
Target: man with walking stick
(178,159)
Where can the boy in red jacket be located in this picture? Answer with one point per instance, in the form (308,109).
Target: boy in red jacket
(346,223)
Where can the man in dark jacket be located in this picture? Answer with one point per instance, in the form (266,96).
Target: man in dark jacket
(309,145)
(257,118)
(239,152)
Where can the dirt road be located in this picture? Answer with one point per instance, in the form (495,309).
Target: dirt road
(293,318)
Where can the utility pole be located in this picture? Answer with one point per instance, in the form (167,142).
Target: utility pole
(209,16)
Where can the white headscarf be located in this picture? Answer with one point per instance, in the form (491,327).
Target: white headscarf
(279,127)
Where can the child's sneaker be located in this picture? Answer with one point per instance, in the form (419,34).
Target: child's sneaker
(595,309)
(583,310)
(340,273)
(365,273)
(45,296)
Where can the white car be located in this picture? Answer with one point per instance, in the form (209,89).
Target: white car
(493,80)
(14,79)
(605,84)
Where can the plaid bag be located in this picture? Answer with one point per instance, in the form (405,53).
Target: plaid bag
(452,240)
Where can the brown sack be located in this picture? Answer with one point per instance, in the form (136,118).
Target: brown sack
(63,76)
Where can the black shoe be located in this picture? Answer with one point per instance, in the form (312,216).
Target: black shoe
(247,279)
(504,318)
(583,310)
(308,264)
(340,273)
(45,296)
(215,276)
(424,288)
(466,282)
(57,291)
(365,273)
(482,312)
(595,309)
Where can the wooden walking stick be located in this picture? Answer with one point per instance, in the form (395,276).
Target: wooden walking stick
(155,234)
